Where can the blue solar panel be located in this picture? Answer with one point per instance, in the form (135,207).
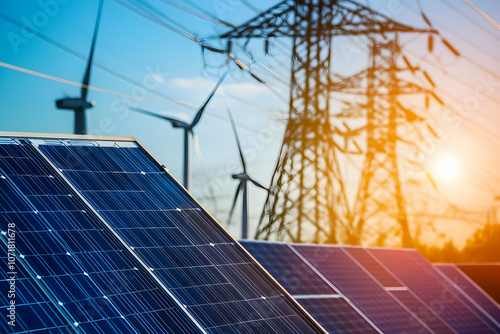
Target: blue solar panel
(421,278)
(81,268)
(373,266)
(313,293)
(381,308)
(336,315)
(200,264)
(424,313)
(288,268)
(471,294)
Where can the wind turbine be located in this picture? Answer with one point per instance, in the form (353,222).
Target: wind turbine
(242,185)
(188,129)
(80,104)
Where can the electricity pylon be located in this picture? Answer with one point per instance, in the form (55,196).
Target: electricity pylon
(389,125)
(307,198)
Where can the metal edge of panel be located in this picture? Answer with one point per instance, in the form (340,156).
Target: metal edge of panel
(237,244)
(121,241)
(63,136)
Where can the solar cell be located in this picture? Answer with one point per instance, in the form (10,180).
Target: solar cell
(206,270)
(337,267)
(471,293)
(83,270)
(422,279)
(288,268)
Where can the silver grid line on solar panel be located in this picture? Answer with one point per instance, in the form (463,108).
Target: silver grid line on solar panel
(123,243)
(468,297)
(334,287)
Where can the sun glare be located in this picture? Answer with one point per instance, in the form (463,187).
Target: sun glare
(448,168)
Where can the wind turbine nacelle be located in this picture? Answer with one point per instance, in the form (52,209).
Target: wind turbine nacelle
(74,103)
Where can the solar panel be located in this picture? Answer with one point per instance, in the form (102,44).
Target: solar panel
(288,268)
(433,321)
(422,279)
(81,269)
(338,267)
(313,293)
(206,270)
(375,268)
(471,293)
(336,315)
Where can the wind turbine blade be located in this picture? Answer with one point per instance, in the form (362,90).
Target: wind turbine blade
(200,111)
(86,78)
(143,111)
(238,190)
(237,139)
(197,148)
(258,184)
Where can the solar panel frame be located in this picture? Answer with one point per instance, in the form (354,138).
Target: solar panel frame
(58,187)
(301,311)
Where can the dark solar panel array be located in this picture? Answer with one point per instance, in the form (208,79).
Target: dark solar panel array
(421,278)
(201,265)
(318,297)
(84,271)
(469,292)
(338,268)
(288,269)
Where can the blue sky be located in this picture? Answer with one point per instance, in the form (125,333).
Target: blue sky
(173,65)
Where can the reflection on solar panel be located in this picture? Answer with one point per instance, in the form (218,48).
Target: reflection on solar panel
(206,271)
(314,293)
(84,273)
(469,292)
(422,279)
(361,289)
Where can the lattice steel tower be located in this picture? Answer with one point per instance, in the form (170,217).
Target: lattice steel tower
(307,198)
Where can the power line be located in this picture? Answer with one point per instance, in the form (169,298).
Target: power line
(470,19)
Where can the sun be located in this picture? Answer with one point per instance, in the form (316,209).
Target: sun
(448,167)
